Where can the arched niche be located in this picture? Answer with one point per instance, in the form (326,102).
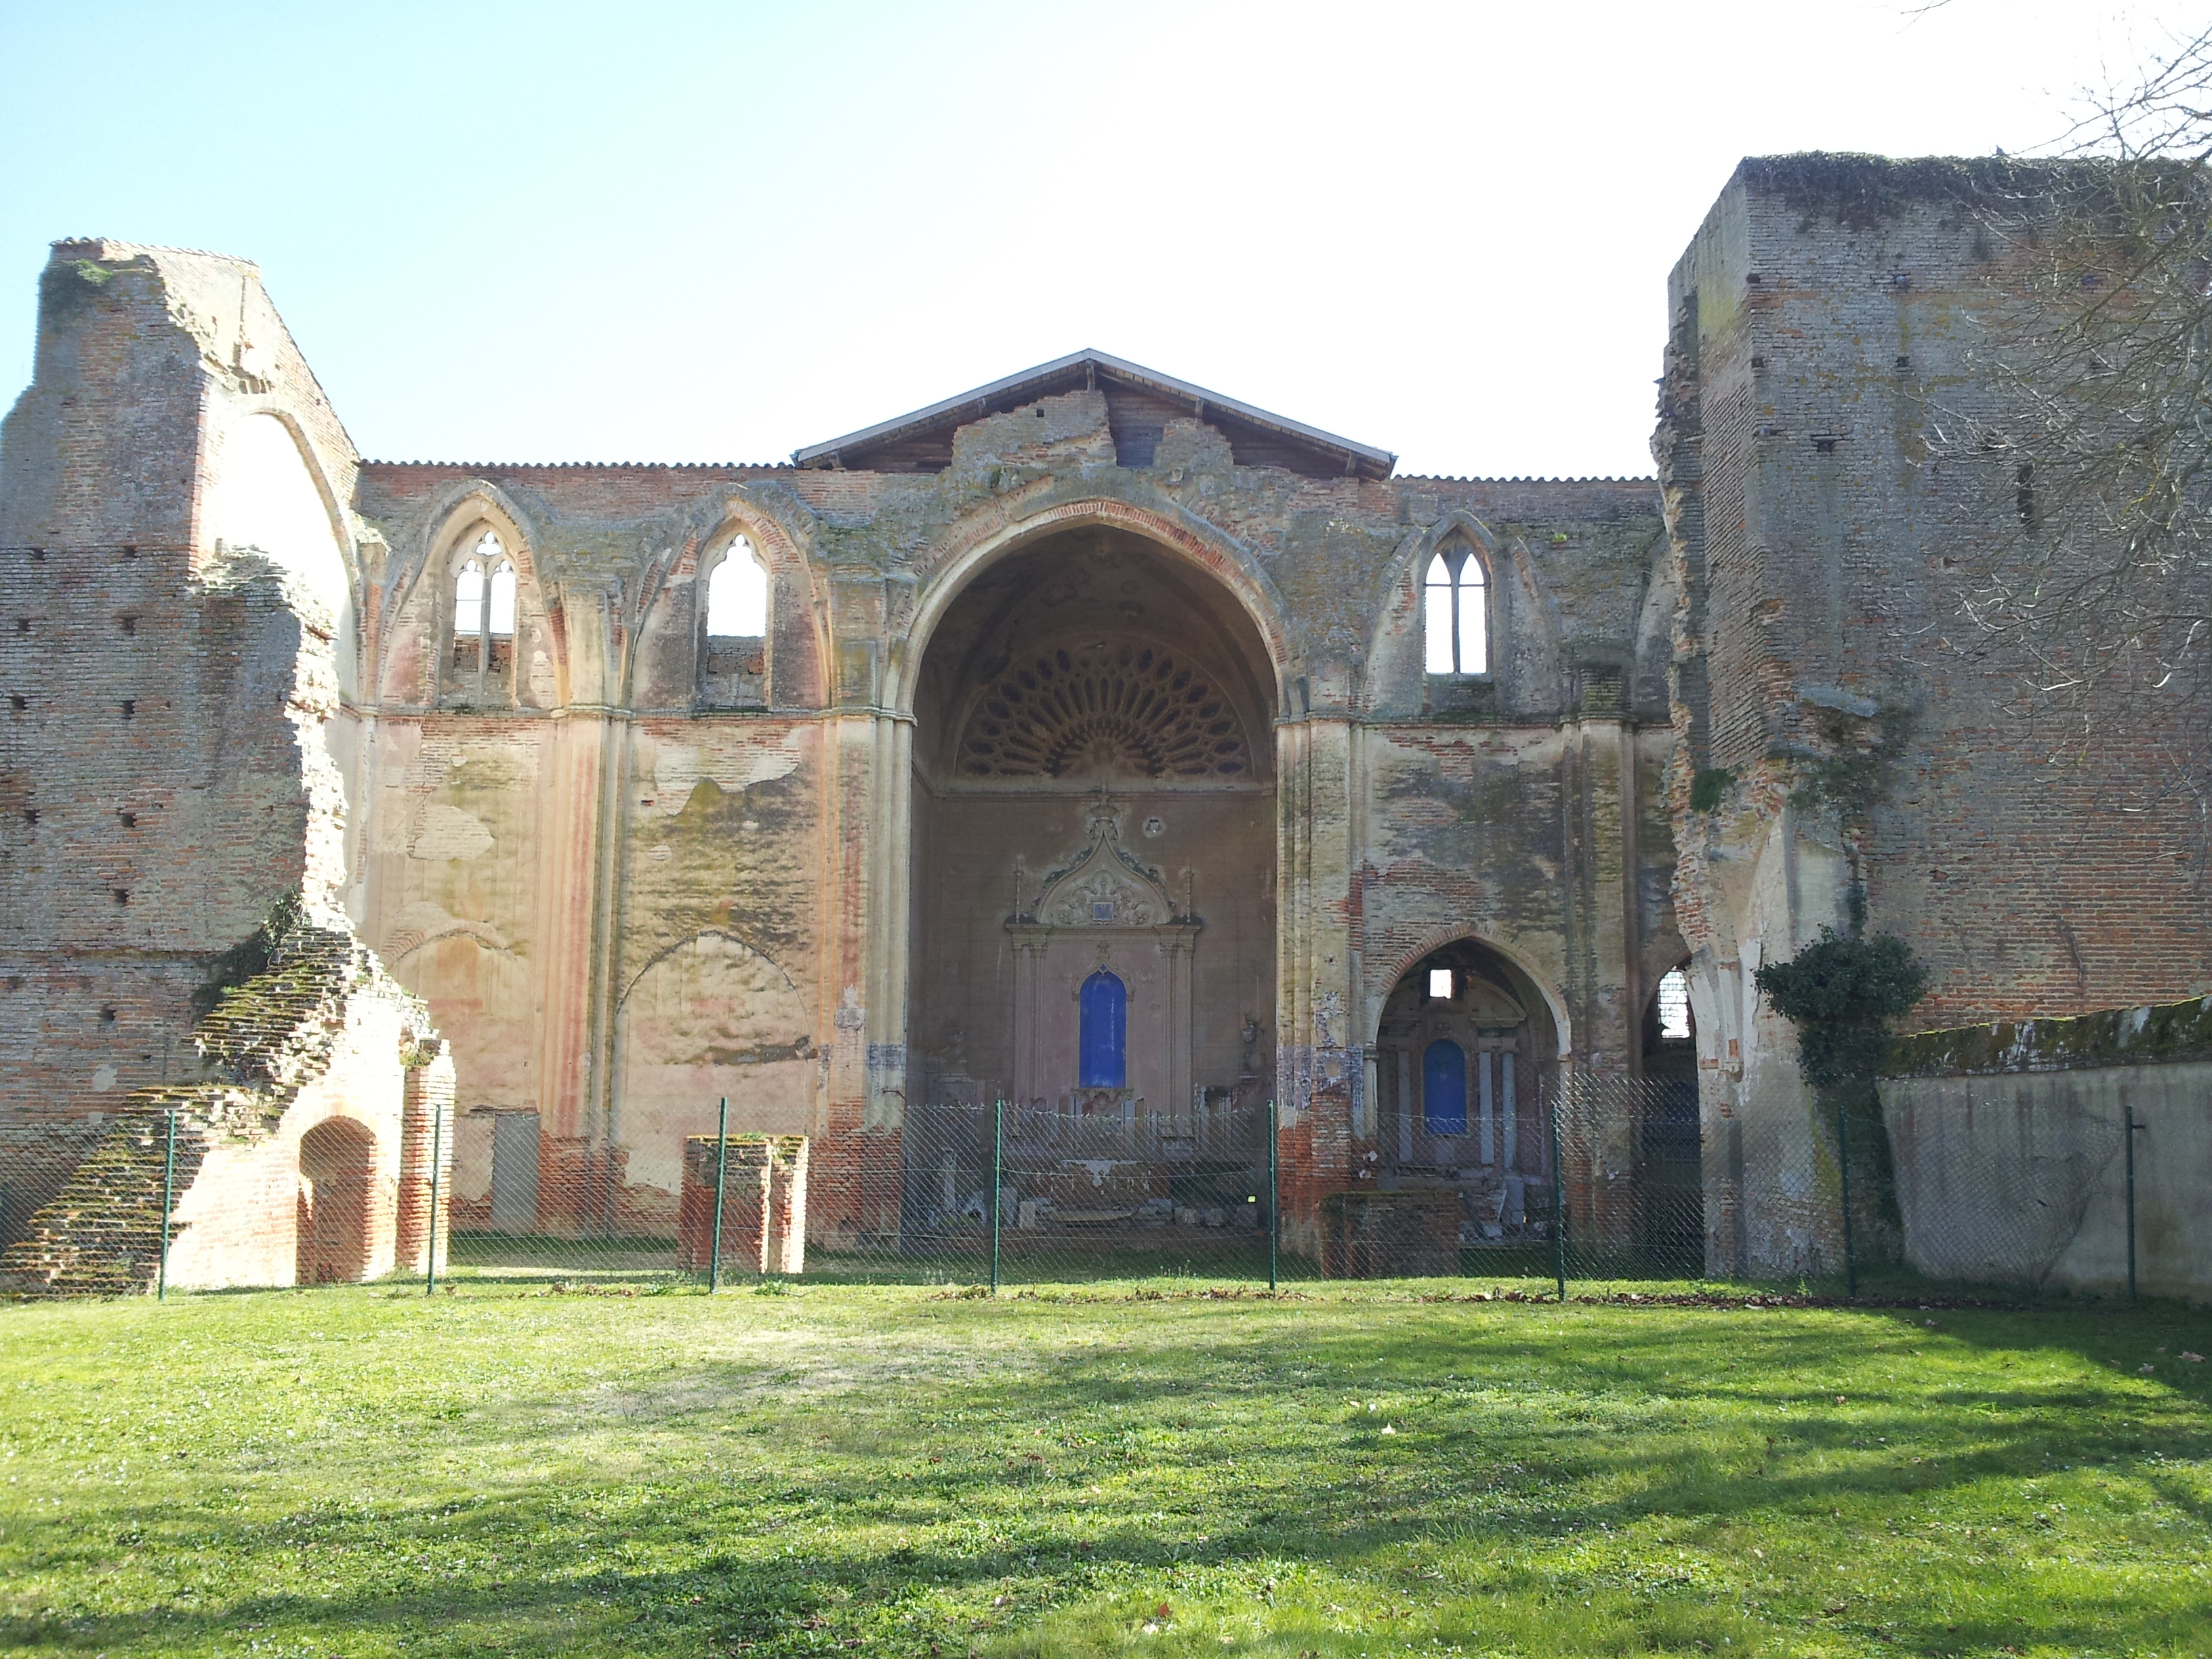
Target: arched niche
(1093,774)
(1470,1004)
(425,662)
(341,1203)
(972,547)
(493,647)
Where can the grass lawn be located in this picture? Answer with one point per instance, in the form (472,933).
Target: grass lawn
(899,1471)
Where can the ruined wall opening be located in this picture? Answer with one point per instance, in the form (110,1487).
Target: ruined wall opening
(266,497)
(480,669)
(1467,1048)
(733,644)
(1094,814)
(1670,1189)
(337,1194)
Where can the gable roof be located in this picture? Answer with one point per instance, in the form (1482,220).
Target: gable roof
(1138,401)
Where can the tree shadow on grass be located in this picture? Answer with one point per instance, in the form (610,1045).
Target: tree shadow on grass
(1521,1441)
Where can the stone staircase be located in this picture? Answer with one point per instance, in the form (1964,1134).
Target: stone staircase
(100,1234)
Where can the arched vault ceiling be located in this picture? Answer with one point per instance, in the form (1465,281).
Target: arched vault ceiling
(1094,651)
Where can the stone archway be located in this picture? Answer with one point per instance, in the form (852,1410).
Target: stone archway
(1464,1054)
(1093,786)
(337,1202)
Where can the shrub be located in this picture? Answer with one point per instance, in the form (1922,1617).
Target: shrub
(1841,992)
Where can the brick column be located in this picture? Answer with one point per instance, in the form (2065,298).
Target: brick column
(427,1095)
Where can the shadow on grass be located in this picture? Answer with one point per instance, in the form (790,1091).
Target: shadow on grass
(1521,1440)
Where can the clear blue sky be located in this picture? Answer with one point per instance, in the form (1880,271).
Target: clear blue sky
(718,231)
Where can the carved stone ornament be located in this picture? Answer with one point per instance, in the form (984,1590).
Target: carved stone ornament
(1102,885)
(1105,708)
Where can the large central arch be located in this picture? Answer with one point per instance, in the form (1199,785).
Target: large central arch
(974,547)
(1090,697)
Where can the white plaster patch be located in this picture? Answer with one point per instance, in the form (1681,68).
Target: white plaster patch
(448,832)
(103,1078)
(677,768)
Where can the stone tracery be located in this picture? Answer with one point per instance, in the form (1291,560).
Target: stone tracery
(1108,706)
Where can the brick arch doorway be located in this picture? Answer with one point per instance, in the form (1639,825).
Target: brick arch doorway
(1466,1050)
(338,1187)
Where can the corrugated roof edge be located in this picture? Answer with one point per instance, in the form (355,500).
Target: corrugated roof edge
(1448,478)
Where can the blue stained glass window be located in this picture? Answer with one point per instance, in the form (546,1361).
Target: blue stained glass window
(1104,1045)
(1444,1087)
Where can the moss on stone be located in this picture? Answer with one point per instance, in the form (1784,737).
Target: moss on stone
(1858,192)
(2163,1033)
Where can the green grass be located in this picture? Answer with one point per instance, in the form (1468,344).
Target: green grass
(903,1472)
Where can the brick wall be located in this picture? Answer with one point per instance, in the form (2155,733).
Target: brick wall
(1830,312)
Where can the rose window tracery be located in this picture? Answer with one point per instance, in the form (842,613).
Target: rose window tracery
(1103,707)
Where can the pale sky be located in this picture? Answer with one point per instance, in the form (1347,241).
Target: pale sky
(546,232)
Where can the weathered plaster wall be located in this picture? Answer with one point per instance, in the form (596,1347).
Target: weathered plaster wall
(2008,1142)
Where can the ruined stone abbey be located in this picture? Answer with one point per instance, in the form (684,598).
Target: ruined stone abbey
(1089,739)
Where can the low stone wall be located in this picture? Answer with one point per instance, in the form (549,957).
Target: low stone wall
(1411,1233)
(2009,1144)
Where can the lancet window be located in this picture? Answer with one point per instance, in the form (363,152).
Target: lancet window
(484,589)
(1674,1006)
(1456,612)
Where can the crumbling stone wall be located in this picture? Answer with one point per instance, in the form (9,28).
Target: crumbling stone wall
(181,581)
(321,1034)
(164,762)
(1826,312)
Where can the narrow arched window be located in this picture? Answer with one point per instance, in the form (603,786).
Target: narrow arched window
(484,589)
(1456,613)
(500,619)
(1104,1017)
(469,602)
(1673,1006)
(737,594)
(1443,1088)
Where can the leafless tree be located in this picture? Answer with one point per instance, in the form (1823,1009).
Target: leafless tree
(2095,422)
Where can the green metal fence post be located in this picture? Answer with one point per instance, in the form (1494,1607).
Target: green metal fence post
(168,1196)
(721,1169)
(437,1134)
(2132,1126)
(1275,1194)
(998,1179)
(1843,1164)
(1558,1202)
